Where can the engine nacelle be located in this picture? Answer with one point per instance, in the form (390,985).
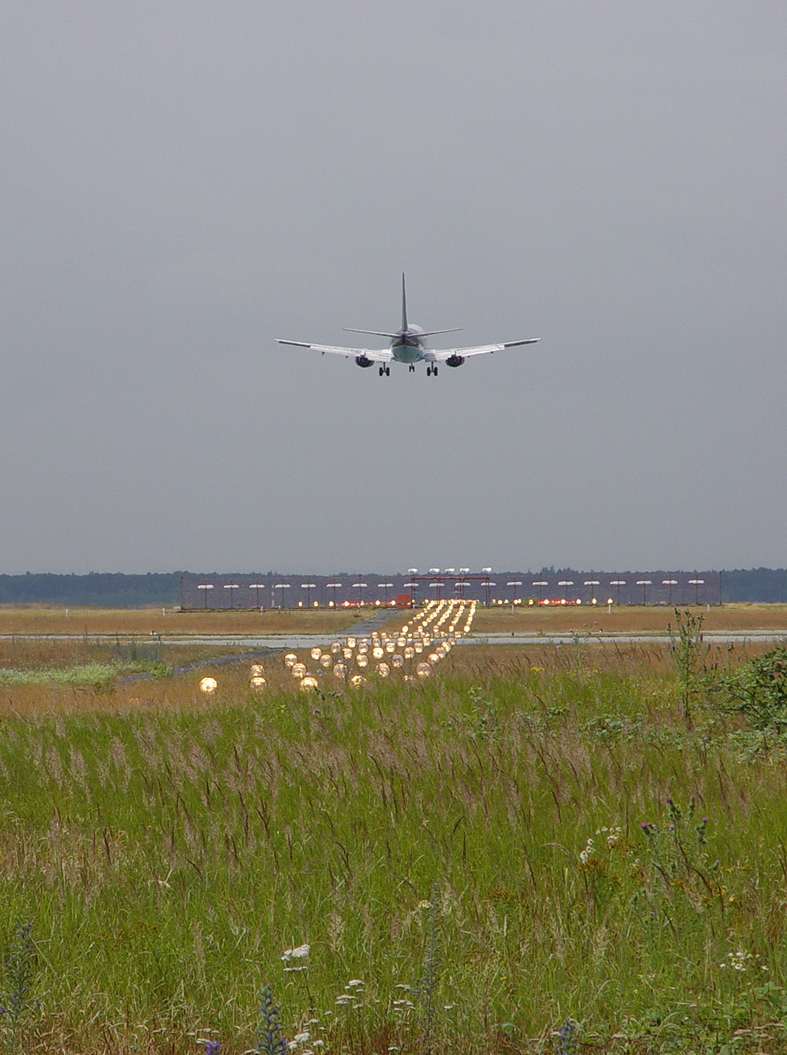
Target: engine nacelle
(364,361)
(455,360)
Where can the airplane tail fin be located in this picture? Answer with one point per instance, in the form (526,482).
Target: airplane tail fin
(404,304)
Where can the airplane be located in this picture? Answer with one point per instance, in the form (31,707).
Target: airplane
(407,346)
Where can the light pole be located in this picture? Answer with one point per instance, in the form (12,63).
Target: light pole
(359,586)
(670,583)
(487,572)
(566,583)
(231,586)
(205,586)
(385,587)
(516,583)
(308,587)
(437,585)
(412,584)
(592,583)
(696,583)
(333,586)
(618,583)
(257,586)
(644,583)
(541,583)
(281,586)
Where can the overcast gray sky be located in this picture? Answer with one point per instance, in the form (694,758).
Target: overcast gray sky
(183,182)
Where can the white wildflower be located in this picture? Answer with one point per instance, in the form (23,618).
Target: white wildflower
(300,952)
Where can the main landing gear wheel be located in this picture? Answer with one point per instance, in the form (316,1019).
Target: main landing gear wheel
(431,370)
(385,371)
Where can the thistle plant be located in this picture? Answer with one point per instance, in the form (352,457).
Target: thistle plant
(678,853)
(685,648)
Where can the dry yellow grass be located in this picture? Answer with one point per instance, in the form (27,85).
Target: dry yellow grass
(554,618)
(34,619)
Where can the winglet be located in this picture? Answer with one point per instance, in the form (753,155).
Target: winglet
(404,305)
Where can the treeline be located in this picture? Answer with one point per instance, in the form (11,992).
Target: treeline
(117,590)
(98,589)
(767,585)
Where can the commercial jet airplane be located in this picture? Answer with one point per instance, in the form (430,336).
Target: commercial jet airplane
(407,346)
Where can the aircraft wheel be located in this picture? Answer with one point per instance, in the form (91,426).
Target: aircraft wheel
(382,371)
(387,371)
(435,371)
(428,371)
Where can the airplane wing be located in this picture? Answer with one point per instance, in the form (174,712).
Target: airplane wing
(376,355)
(440,355)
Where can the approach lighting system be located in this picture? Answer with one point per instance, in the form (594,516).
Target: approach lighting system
(281,586)
(670,583)
(257,586)
(205,586)
(617,583)
(593,583)
(565,583)
(696,583)
(644,583)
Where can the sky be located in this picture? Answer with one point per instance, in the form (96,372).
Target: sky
(183,182)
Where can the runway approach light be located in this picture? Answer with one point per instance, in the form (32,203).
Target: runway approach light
(208,686)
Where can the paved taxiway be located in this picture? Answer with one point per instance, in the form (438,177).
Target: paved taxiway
(277,642)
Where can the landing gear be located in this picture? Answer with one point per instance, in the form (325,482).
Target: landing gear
(431,370)
(412,368)
(385,371)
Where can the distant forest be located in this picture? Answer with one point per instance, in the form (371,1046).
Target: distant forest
(116,590)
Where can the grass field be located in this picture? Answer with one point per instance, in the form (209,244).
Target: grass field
(38,619)
(547,850)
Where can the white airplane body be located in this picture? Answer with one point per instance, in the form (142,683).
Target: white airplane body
(408,346)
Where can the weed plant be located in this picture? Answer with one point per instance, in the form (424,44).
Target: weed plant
(499,859)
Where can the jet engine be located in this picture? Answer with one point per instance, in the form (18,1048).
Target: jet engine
(364,361)
(455,360)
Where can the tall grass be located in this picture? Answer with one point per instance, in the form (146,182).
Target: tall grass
(473,863)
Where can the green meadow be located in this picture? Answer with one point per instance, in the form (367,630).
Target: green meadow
(511,856)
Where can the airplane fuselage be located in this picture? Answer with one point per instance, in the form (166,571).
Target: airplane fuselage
(408,345)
